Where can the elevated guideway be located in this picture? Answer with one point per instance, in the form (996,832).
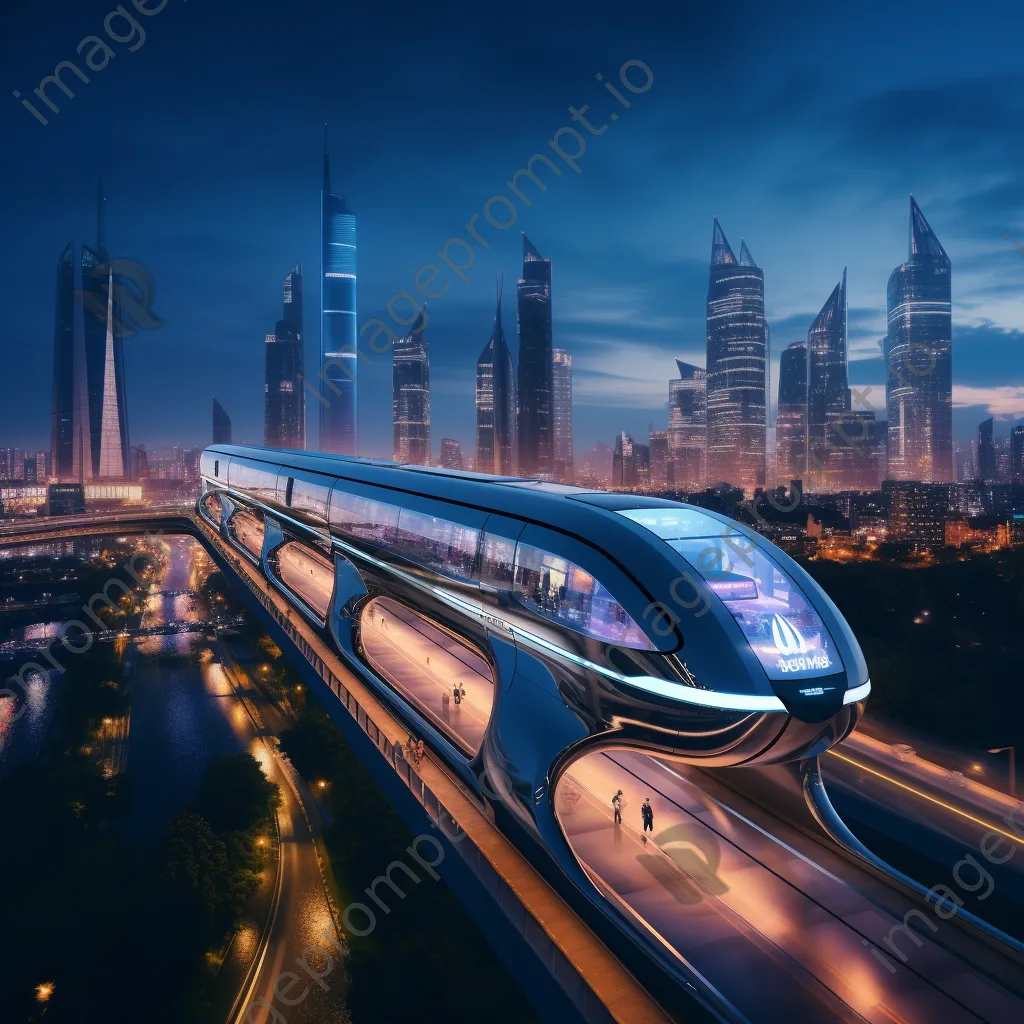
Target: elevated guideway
(748,894)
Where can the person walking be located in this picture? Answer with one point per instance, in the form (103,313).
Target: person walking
(457,693)
(647,813)
(617,807)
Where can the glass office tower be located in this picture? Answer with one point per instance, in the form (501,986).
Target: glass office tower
(535,365)
(339,424)
(495,403)
(736,359)
(410,405)
(791,421)
(919,360)
(687,428)
(828,386)
(561,411)
(284,405)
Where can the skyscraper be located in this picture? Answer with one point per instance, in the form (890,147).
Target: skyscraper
(535,365)
(987,470)
(89,422)
(687,428)
(561,410)
(1017,454)
(657,442)
(284,406)
(410,405)
(339,424)
(791,420)
(495,403)
(919,360)
(828,388)
(624,468)
(736,361)
(451,453)
(221,424)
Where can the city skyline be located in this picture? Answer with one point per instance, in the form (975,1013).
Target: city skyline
(629,239)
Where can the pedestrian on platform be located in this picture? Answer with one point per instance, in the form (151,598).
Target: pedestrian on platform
(457,693)
(647,813)
(617,807)
(421,751)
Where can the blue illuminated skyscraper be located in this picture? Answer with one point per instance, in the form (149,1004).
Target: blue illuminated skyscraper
(339,424)
(919,360)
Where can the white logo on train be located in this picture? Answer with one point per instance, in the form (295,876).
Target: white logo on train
(790,643)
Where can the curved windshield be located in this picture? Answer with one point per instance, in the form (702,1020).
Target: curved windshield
(783,629)
(558,589)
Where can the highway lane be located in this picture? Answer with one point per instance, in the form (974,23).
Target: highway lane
(721,891)
(946,799)
(301,918)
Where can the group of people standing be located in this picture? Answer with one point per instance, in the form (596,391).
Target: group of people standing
(646,812)
(414,751)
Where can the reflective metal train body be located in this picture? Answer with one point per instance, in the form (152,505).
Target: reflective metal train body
(604,620)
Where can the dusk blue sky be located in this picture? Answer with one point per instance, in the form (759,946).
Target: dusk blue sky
(804,127)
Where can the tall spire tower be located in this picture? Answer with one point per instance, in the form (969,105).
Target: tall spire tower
(496,402)
(339,423)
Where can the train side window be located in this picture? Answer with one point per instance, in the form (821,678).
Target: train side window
(564,592)
(439,543)
(288,491)
(364,518)
(498,561)
(216,467)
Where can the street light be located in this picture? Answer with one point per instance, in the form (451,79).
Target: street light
(1013,766)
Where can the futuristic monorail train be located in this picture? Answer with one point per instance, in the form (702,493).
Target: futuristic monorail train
(521,624)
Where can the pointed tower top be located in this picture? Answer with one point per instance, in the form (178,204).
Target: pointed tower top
(101,226)
(327,163)
(418,325)
(922,239)
(746,260)
(687,371)
(720,249)
(834,308)
(530,250)
(500,280)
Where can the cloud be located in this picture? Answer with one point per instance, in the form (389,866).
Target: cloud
(1005,400)
(622,374)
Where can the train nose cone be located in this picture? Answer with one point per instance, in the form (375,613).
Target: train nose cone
(812,700)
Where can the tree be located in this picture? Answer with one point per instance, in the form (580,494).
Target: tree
(234,794)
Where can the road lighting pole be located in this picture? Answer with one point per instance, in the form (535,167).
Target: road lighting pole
(1013,766)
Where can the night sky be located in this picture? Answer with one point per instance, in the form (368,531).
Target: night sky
(802,126)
